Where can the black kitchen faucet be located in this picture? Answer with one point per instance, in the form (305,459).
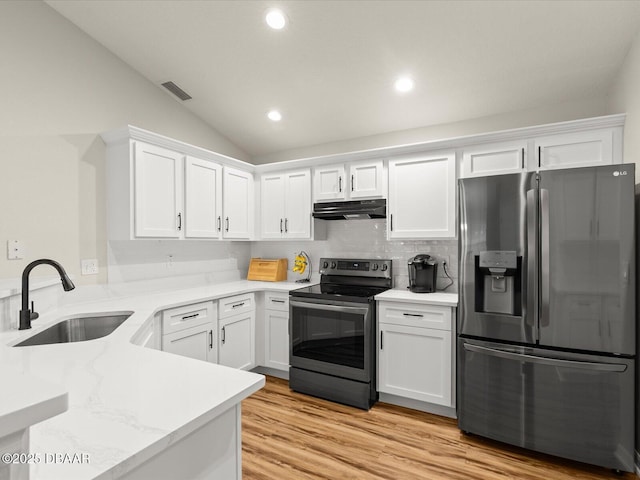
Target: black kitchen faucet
(26,314)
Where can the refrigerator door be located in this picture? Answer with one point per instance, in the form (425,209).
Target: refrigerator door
(575,406)
(587,274)
(497,232)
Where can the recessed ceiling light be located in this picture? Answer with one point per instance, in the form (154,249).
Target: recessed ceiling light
(276,19)
(404,84)
(274,116)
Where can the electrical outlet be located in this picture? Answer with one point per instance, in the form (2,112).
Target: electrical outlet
(89,266)
(15,250)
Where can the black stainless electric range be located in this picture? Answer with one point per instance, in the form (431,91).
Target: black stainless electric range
(332,352)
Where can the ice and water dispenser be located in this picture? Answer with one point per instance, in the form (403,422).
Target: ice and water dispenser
(498,276)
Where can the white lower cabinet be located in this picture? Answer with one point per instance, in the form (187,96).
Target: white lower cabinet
(415,352)
(236,331)
(189,331)
(276,330)
(194,342)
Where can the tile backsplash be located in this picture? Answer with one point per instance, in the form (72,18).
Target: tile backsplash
(366,239)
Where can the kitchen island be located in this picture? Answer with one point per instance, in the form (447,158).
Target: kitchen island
(135,412)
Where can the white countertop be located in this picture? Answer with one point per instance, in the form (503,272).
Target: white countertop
(126,403)
(404,295)
(27,400)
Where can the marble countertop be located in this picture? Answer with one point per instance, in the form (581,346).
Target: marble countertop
(404,295)
(126,403)
(27,400)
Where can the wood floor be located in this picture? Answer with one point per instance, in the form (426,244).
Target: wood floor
(287,435)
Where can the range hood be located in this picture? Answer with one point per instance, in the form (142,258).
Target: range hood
(351,210)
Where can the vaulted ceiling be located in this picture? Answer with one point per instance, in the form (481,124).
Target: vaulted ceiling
(331,70)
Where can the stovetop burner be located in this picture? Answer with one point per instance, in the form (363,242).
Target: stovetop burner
(344,290)
(354,280)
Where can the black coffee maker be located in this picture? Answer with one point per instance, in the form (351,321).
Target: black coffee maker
(423,272)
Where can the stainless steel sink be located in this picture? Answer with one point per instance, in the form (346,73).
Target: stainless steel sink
(78,329)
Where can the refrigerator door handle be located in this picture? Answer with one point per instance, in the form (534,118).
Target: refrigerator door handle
(554,362)
(544,258)
(531,292)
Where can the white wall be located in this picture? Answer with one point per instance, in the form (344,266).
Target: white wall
(588,107)
(61,89)
(625,98)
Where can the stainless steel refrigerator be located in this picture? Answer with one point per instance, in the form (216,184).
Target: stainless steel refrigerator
(546,321)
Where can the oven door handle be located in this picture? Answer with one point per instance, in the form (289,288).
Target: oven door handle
(331,308)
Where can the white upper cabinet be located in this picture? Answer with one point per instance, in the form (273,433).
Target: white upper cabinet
(203,198)
(329,183)
(157,192)
(286,205)
(577,149)
(237,204)
(364,179)
(494,158)
(158,187)
(422,196)
(272,205)
(546,148)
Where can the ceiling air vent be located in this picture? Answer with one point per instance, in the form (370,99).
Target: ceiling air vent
(177,91)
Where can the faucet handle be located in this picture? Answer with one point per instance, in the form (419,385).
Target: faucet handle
(33,314)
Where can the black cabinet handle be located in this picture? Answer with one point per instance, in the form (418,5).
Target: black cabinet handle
(280,225)
(412,315)
(286,225)
(187,317)
(224,335)
(210,339)
(539,156)
(179,221)
(219,223)
(391,220)
(381,340)
(523,158)
(352,183)
(226,224)
(340,184)
(237,305)
(277,301)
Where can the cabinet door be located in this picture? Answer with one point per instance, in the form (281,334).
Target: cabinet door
(578,149)
(494,159)
(329,183)
(236,342)
(366,179)
(197,342)
(415,363)
(297,218)
(237,203)
(276,341)
(422,196)
(272,196)
(203,198)
(157,192)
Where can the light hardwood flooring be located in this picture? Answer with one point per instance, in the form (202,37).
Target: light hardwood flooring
(287,435)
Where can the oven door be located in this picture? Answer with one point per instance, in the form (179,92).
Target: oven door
(331,337)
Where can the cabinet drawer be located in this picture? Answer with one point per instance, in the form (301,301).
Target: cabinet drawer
(415,315)
(276,301)
(176,319)
(237,304)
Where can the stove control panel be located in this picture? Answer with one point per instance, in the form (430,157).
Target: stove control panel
(356,267)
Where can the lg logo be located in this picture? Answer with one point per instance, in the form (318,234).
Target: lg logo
(618,173)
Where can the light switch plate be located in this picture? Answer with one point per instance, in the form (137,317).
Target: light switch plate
(15,250)
(89,266)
